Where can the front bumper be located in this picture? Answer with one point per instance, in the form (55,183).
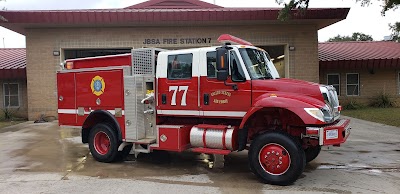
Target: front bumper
(334,134)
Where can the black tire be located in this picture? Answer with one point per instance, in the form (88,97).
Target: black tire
(276,158)
(103,143)
(312,153)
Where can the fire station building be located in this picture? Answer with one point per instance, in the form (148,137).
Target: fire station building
(53,36)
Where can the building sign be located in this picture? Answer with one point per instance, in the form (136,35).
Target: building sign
(177,41)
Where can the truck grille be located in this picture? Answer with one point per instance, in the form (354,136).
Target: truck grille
(331,98)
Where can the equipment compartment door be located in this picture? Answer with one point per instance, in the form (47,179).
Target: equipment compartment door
(66,98)
(99,90)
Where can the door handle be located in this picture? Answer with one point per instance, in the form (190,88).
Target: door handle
(164,99)
(206,99)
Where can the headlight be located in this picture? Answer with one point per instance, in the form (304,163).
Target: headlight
(316,113)
(324,114)
(328,115)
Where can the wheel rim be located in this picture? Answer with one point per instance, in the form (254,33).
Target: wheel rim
(101,143)
(274,159)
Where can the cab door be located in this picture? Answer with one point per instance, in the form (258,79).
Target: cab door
(178,87)
(219,99)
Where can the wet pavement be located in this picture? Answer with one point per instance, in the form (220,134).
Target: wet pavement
(44,158)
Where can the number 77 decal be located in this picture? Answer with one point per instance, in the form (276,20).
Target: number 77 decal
(176,89)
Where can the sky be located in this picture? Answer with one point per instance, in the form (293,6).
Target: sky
(367,19)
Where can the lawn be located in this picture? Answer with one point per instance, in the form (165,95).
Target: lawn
(388,116)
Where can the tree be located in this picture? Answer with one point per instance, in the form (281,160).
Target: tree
(357,36)
(395,31)
(1,17)
(295,7)
(302,5)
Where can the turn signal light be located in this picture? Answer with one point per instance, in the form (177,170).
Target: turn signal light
(69,65)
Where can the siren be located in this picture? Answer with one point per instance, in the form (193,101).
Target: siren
(229,39)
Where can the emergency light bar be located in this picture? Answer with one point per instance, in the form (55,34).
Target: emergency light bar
(229,39)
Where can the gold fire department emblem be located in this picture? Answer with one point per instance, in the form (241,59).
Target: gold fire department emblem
(98,85)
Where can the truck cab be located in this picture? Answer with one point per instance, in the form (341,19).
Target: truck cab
(212,100)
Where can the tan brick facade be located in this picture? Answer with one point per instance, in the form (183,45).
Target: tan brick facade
(42,65)
(371,83)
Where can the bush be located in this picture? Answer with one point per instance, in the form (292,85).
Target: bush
(353,105)
(382,101)
(8,114)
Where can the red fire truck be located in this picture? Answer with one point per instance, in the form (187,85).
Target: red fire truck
(213,100)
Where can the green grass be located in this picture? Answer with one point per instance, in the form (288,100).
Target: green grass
(388,116)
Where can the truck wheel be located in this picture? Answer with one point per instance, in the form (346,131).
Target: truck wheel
(103,143)
(276,158)
(312,153)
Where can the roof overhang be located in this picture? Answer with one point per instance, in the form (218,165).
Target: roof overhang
(369,64)
(18,21)
(12,74)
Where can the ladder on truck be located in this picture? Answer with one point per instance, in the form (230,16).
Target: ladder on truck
(140,120)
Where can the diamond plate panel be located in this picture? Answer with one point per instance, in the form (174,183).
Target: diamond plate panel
(140,95)
(130,108)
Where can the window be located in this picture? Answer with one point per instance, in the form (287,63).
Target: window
(334,80)
(398,81)
(352,86)
(211,64)
(81,53)
(11,95)
(180,66)
(236,69)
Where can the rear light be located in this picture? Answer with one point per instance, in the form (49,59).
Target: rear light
(339,108)
(69,65)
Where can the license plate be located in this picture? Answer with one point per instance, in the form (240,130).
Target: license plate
(332,134)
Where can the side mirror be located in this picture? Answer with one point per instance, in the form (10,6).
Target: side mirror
(222,64)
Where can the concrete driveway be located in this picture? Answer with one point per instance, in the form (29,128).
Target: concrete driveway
(44,158)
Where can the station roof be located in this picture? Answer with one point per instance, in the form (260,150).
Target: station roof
(12,63)
(164,12)
(359,54)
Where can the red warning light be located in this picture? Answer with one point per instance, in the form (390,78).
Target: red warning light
(227,38)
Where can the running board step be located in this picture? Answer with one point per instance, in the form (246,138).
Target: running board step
(146,141)
(211,151)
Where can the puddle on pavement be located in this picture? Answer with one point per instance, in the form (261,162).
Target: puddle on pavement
(55,149)
(364,151)
(12,128)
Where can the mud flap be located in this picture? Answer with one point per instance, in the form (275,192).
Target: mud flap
(242,139)
(85,135)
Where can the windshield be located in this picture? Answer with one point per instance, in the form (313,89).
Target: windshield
(258,64)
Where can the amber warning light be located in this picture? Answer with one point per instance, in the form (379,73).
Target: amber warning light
(229,39)
(69,65)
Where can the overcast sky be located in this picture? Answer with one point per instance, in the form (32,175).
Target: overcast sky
(367,20)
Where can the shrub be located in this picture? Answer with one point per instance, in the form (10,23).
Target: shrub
(353,105)
(382,101)
(8,114)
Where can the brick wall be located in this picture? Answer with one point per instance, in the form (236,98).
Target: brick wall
(42,65)
(371,84)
